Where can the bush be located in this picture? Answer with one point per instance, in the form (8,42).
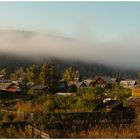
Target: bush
(99,90)
(48,106)
(82,90)
(31,91)
(119,93)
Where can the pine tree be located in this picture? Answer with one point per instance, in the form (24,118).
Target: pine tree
(47,74)
(68,74)
(32,73)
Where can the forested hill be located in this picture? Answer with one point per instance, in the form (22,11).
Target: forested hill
(88,70)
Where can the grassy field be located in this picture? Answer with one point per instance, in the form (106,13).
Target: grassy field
(111,131)
(102,130)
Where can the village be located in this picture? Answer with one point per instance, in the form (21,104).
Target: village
(24,96)
(71,84)
(64,87)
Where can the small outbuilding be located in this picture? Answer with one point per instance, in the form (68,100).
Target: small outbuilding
(136,90)
(40,89)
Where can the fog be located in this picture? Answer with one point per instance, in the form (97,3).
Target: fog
(123,53)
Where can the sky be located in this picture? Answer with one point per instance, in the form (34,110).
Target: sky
(108,20)
(105,32)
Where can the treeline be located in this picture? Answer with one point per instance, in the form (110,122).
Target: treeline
(11,63)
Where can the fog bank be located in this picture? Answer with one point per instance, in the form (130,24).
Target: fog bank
(122,53)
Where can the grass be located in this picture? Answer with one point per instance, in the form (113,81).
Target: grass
(105,131)
(110,131)
(95,131)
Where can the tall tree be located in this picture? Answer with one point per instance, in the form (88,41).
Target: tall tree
(32,73)
(15,75)
(3,72)
(18,74)
(47,74)
(68,74)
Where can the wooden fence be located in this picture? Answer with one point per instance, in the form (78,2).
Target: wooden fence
(37,133)
(113,116)
(79,121)
(19,115)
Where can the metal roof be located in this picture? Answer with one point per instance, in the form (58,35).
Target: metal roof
(38,87)
(4,85)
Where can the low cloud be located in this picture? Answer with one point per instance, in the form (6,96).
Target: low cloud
(123,53)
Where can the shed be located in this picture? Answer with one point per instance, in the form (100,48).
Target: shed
(136,90)
(40,88)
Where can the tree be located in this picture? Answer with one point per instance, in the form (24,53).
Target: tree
(139,75)
(47,74)
(119,93)
(32,73)
(43,74)
(68,74)
(17,74)
(88,102)
(3,72)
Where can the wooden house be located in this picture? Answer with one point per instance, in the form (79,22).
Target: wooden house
(89,82)
(113,105)
(83,84)
(5,81)
(103,81)
(136,90)
(40,89)
(9,87)
(128,83)
(59,86)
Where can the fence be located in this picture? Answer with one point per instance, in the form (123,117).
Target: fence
(19,115)
(97,116)
(81,120)
(37,133)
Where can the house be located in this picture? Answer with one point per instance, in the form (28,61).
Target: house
(60,86)
(40,88)
(90,82)
(103,81)
(128,83)
(9,87)
(5,81)
(113,105)
(18,82)
(30,84)
(83,84)
(136,90)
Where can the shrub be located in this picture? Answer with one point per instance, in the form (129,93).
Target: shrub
(49,105)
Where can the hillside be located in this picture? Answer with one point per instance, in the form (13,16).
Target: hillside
(12,62)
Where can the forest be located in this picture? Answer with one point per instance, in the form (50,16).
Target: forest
(87,69)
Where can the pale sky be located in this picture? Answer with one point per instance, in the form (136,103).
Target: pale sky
(106,20)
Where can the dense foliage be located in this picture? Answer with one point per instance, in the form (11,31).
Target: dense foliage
(12,63)
(119,93)
(83,103)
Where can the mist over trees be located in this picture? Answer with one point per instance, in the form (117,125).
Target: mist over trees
(122,53)
(12,63)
